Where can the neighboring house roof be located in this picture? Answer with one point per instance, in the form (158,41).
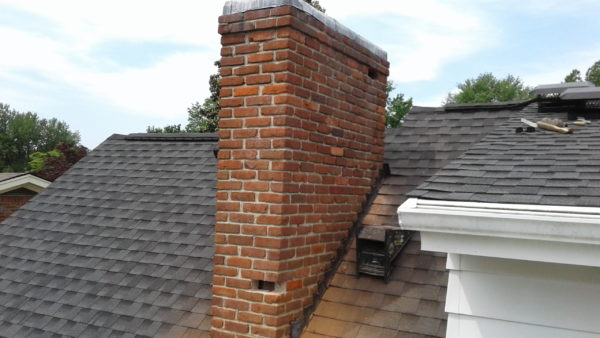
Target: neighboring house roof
(413,300)
(14,181)
(121,245)
(541,167)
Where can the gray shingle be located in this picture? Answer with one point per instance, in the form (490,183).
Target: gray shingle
(123,230)
(542,167)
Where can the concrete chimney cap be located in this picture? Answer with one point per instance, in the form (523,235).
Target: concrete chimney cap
(240,6)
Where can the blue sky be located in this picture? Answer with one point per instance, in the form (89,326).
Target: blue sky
(109,66)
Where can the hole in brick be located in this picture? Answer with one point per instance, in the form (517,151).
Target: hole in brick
(265,286)
(372,73)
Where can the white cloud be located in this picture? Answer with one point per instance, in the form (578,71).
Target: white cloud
(426,34)
(161,89)
(556,69)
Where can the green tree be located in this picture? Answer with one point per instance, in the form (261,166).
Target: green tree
(22,134)
(593,73)
(52,164)
(396,107)
(574,76)
(487,88)
(315,4)
(172,128)
(204,118)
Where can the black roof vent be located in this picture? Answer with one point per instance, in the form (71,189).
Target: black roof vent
(558,88)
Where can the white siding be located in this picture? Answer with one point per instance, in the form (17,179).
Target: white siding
(492,297)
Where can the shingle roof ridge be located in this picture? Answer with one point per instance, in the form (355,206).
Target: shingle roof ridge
(187,137)
(507,105)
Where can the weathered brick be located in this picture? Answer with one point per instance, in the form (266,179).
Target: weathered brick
(301,144)
(245,91)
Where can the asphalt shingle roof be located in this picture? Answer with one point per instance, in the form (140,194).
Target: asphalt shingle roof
(121,245)
(542,167)
(412,303)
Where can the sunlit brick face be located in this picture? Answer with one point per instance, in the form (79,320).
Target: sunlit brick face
(301,144)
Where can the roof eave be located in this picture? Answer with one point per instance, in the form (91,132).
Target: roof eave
(28,181)
(557,234)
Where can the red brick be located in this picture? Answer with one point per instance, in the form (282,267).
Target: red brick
(277,89)
(232,61)
(228,206)
(258,122)
(243,196)
(261,57)
(233,39)
(245,112)
(302,142)
(245,133)
(245,91)
(279,44)
(256,208)
(261,35)
(253,252)
(237,327)
(239,262)
(231,81)
(246,70)
(258,144)
(258,79)
(249,48)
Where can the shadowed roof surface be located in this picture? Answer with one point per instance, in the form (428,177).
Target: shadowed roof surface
(121,245)
(412,303)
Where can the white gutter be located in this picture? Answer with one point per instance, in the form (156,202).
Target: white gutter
(534,232)
(28,181)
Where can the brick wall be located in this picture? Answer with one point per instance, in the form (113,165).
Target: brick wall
(11,203)
(301,130)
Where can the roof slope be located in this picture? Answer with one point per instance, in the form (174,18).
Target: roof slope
(121,245)
(542,167)
(412,303)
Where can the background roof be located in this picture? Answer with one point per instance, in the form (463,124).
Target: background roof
(120,245)
(542,167)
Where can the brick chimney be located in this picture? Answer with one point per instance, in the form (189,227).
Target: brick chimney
(302,127)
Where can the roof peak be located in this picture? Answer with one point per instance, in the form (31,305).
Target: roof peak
(489,105)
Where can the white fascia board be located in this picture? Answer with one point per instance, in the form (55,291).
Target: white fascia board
(28,181)
(519,221)
(554,234)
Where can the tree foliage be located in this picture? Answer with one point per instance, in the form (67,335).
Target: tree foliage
(202,118)
(593,73)
(315,4)
(172,128)
(574,76)
(396,107)
(22,134)
(487,88)
(52,164)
